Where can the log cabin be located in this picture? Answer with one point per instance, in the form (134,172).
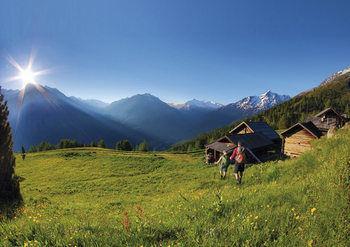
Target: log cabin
(327,119)
(298,138)
(261,141)
(216,149)
(262,128)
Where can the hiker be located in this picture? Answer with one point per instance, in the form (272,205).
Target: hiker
(239,158)
(224,163)
(23,153)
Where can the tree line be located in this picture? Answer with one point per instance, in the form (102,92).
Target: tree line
(123,145)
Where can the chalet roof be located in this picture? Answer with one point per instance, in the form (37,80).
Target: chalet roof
(221,146)
(308,126)
(326,111)
(251,140)
(257,127)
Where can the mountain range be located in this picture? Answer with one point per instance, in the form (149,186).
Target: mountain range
(333,92)
(40,113)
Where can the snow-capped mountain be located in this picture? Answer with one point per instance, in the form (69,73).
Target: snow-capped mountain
(47,114)
(197,104)
(262,102)
(339,73)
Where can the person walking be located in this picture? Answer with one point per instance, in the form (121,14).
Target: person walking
(239,157)
(23,153)
(224,163)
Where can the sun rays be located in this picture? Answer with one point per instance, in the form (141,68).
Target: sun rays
(26,74)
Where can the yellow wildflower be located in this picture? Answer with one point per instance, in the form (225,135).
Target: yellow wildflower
(313,210)
(310,243)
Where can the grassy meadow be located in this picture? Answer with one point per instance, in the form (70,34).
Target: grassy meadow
(100,197)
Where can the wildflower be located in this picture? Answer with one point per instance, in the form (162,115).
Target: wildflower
(310,243)
(313,210)
(126,222)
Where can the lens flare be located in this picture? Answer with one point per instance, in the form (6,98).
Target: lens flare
(27,76)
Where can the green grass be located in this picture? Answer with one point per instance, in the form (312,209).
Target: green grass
(97,197)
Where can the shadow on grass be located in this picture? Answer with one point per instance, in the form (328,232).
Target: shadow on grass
(11,202)
(10,209)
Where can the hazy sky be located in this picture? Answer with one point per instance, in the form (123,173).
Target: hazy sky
(177,49)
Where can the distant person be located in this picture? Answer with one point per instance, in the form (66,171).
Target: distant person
(23,153)
(210,158)
(224,163)
(239,158)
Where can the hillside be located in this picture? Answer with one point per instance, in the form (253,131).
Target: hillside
(335,93)
(97,197)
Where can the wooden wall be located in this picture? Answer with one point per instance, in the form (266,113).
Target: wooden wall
(298,143)
(245,131)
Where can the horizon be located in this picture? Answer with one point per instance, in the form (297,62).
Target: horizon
(130,96)
(176,51)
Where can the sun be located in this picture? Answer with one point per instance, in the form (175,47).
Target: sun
(27,76)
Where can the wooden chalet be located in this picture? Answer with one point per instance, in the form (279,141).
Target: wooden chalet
(327,119)
(262,128)
(260,140)
(218,147)
(297,139)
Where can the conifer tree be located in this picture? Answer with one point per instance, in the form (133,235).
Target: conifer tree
(9,185)
(101,144)
(124,145)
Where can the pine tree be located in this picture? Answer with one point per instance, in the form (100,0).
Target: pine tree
(9,185)
(124,145)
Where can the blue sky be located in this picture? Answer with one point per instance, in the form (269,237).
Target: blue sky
(177,50)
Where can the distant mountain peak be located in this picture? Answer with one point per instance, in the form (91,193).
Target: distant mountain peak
(268,93)
(333,76)
(197,104)
(261,102)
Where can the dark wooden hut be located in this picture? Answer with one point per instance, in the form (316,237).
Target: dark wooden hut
(297,139)
(262,128)
(327,119)
(217,148)
(261,141)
